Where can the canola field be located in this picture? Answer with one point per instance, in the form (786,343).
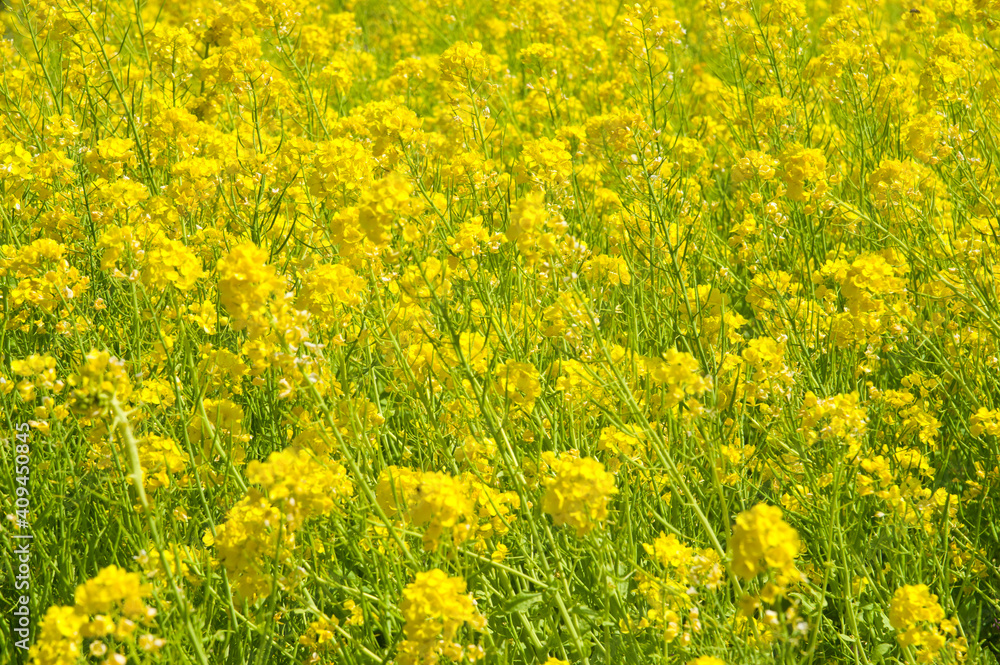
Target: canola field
(506,332)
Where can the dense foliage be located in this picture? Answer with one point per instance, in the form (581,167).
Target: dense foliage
(529,331)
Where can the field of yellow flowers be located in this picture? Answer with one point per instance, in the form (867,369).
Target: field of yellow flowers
(500,331)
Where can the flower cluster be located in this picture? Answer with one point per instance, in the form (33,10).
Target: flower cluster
(461,506)
(577,495)
(301,485)
(101,378)
(920,620)
(109,610)
(434,607)
(763,542)
(502,290)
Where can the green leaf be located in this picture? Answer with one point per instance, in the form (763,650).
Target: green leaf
(882,649)
(520,602)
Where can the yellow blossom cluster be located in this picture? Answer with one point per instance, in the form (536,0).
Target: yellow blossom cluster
(920,620)
(577,495)
(649,331)
(763,542)
(109,608)
(434,607)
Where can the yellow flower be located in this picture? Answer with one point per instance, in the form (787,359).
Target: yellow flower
(434,607)
(835,418)
(679,374)
(110,156)
(383,202)
(113,589)
(578,494)
(464,62)
(159,456)
(225,420)
(533,228)
(546,160)
(763,541)
(300,484)
(432,499)
(804,172)
(252,536)
(101,378)
(247,283)
(172,264)
(619,444)
(914,604)
(915,612)
(59,640)
(518,384)
(613,269)
(755,164)
(321,634)
(328,290)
